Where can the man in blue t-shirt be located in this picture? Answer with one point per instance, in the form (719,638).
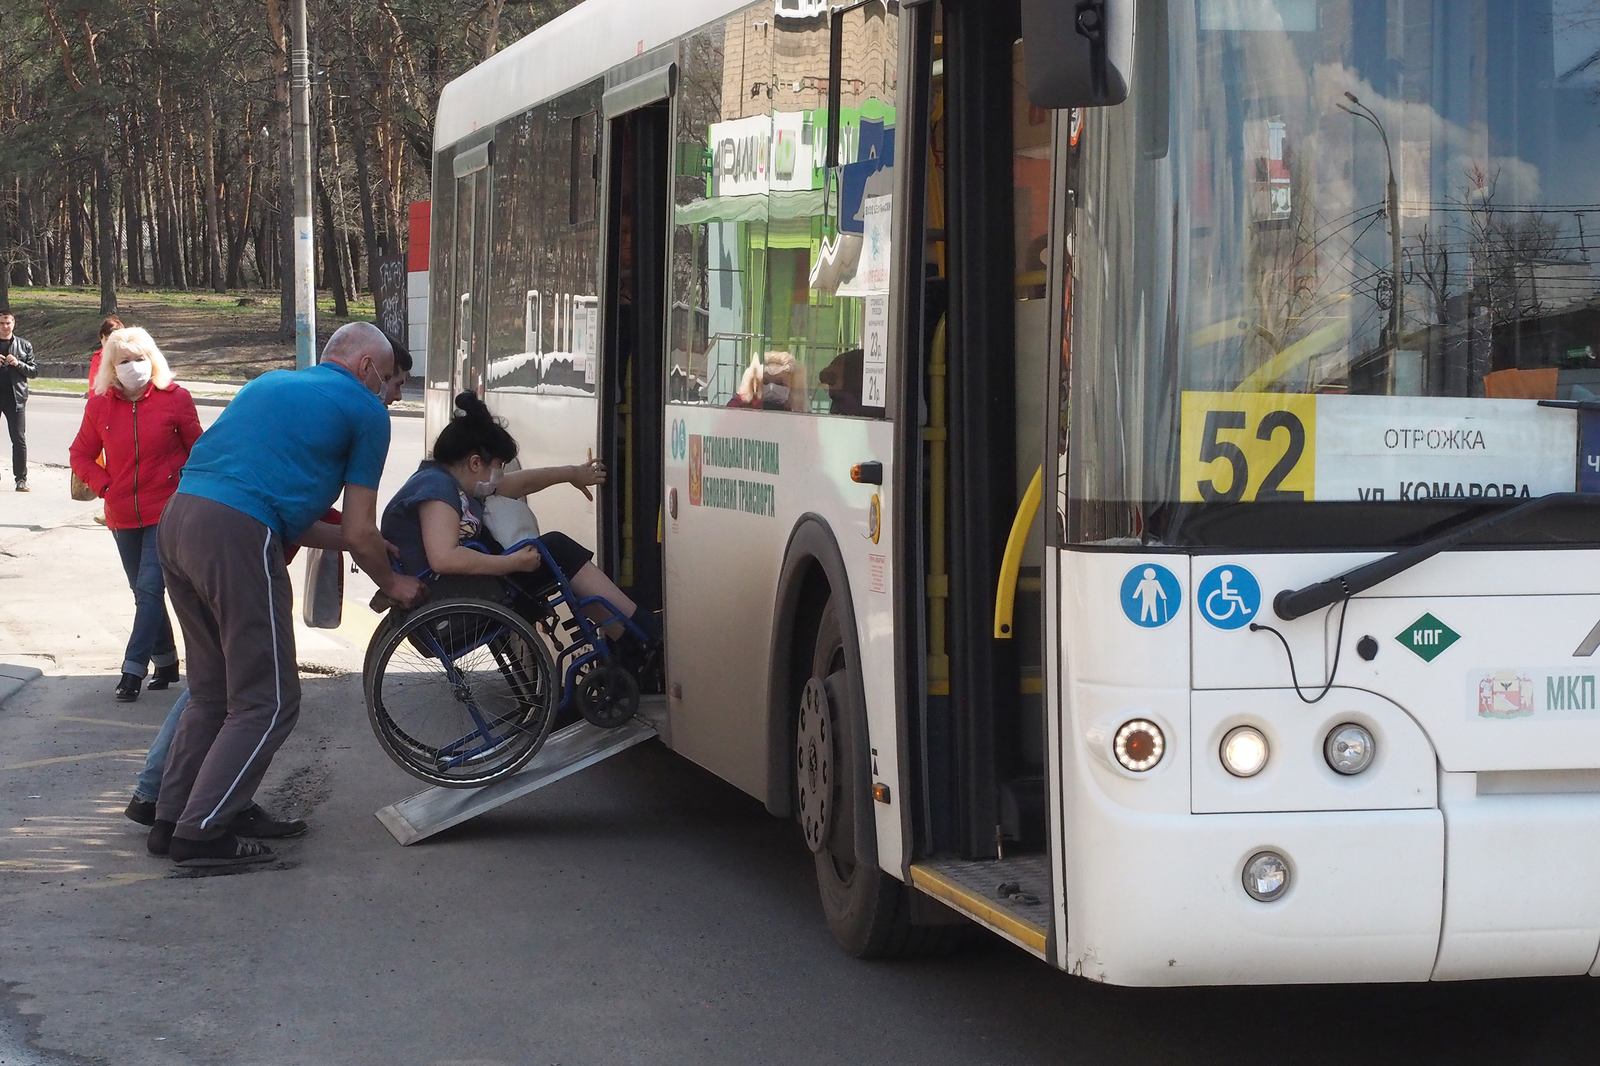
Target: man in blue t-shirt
(257,481)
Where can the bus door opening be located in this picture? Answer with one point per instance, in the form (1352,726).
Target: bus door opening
(985,326)
(633,361)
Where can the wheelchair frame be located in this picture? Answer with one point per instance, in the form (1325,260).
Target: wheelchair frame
(576,653)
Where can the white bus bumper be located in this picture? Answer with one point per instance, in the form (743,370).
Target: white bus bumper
(1486,886)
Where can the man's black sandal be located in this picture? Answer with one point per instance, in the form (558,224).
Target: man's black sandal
(227,850)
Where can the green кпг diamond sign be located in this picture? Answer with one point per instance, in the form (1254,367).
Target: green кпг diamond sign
(1428,637)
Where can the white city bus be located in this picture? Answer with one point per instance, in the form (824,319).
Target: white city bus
(1110,471)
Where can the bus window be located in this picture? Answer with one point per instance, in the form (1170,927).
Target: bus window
(829,249)
(719,232)
(441,277)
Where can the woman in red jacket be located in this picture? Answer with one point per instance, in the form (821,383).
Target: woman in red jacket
(146,424)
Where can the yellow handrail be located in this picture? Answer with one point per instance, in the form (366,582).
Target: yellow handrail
(1005,596)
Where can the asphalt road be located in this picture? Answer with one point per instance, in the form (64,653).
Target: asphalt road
(639,912)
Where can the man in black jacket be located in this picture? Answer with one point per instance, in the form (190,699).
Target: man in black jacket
(16,367)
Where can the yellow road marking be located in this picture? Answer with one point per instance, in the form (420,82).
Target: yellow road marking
(107,721)
(137,753)
(1025,933)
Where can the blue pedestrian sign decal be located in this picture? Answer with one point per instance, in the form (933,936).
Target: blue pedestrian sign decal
(1151,596)
(1228,597)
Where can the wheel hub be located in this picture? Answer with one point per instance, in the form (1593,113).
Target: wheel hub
(814,763)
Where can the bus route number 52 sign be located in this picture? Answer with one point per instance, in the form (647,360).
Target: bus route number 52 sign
(1244,447)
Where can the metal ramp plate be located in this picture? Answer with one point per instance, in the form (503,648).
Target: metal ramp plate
(574,748)
(973,889)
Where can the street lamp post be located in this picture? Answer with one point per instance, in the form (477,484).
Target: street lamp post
(1397,308)
(305,286)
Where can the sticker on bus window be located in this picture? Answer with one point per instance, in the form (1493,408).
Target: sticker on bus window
(1240,447)
(1289,447)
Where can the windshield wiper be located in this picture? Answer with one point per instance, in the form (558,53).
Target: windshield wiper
(1572,405)
(1297,603)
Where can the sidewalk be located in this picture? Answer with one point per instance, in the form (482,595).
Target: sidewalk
(12,679)
(215,393)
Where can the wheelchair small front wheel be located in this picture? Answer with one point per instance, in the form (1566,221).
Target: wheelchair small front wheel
(608,696)
(460,692)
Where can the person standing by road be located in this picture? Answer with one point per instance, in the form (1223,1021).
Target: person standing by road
(145,423)
(108,325)
(17,366)
(269,467)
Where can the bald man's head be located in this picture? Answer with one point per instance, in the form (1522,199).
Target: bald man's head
(352,342)
(365,351)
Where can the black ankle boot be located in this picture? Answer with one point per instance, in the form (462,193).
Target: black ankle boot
(164,676)
(128,688)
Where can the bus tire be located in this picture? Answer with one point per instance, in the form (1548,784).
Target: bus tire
(867,911)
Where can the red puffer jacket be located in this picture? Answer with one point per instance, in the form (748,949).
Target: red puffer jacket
(146,442)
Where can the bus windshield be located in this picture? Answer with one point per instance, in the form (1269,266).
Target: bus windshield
(1326,261)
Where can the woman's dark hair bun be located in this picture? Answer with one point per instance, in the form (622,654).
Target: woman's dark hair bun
(474,431)
(469,404)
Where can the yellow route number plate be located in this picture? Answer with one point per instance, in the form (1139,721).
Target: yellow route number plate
(1253,446)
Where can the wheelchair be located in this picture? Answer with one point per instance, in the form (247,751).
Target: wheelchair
(463,690)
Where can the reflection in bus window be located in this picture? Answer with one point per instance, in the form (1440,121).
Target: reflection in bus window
(773,249)
(1369,214)
(441,277)
(543,310)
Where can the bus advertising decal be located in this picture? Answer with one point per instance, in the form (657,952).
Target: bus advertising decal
(1240,447)
(733,493)
(1553,694)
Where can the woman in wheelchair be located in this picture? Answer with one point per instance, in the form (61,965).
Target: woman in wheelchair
(439,511)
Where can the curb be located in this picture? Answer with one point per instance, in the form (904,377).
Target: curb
(210,401)
(13,678)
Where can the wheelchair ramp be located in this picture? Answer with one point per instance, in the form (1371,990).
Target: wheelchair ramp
(574,748)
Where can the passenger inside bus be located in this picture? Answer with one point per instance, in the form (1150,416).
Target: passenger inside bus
(436,521)
(842,379)
(773,382)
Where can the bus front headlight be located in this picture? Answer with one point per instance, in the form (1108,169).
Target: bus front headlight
(1244,751)
(1349,748)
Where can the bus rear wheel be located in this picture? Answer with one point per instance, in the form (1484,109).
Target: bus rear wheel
(868,912)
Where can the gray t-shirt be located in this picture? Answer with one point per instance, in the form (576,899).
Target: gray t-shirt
(402,524)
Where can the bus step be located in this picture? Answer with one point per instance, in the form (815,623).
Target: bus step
(1010,896)
(577,747)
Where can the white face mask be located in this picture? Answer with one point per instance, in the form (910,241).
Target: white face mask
(485,489)
(134,374)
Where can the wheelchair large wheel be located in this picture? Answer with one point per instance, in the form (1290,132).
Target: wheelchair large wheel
(460,692)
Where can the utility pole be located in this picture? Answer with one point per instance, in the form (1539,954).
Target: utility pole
(1397,307)
(305,277)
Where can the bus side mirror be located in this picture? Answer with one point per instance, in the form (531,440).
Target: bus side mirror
(1078,52)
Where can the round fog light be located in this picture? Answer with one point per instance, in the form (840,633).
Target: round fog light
(1244,751)
(1349,748)
(1266,876)
(1139,745)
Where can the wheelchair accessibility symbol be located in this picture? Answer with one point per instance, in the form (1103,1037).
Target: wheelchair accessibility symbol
(1150,596)
(1228,597)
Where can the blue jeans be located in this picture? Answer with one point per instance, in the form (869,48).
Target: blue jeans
(149,784)
(151,640)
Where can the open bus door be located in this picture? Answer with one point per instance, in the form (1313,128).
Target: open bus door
(633,360)
(978,465)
